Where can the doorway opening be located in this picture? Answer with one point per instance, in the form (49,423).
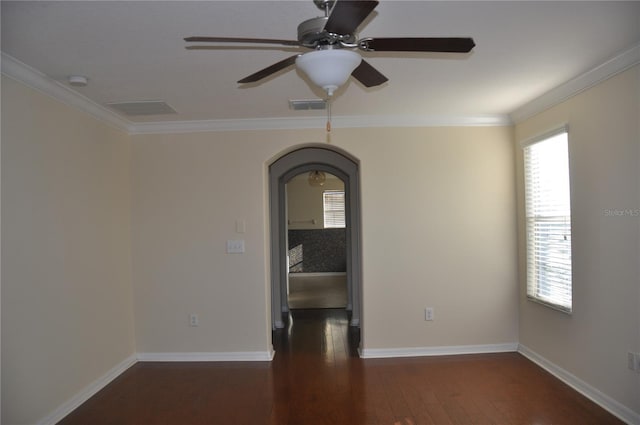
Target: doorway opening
(332,161)
(316,242)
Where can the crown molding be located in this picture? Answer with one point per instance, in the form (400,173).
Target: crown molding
(298,123)
(38,81)
(201,126)
(613,66)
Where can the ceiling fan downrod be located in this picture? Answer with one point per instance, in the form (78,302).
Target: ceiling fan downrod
(325,5)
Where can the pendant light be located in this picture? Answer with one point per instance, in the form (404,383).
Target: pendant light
(317,178)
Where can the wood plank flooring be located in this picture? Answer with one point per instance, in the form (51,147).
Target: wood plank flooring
(324,291)
(316,378)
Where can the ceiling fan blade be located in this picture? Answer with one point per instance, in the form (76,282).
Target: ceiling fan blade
(347,15)
(242,40)
(263,73)
(439,44)
(368,75)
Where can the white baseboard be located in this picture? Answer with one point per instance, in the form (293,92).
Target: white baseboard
(317,274)
(237,356)
(373,353)
(592,393)
(88,392)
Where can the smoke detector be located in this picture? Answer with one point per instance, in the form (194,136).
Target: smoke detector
(78,80)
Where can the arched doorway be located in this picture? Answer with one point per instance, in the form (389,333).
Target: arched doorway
(303,160)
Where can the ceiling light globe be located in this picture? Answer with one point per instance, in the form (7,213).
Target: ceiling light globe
(330,68)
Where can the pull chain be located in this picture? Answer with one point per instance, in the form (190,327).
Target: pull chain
(328,101)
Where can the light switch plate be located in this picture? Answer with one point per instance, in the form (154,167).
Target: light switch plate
(240,226)
(235,246)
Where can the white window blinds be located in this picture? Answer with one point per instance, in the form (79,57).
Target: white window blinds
(548,220)
(333,208)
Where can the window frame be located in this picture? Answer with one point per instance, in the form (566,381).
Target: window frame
(535,267)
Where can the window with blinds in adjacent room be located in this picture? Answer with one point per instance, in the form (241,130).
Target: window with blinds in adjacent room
(333,201)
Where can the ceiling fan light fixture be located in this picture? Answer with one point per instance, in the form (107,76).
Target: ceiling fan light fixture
(329,69)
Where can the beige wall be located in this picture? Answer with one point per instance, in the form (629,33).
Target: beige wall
(438,230)
(67,315)
(305,202)
(604,140)
(188,192)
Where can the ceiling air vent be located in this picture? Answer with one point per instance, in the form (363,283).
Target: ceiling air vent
(307,104)
(143,107)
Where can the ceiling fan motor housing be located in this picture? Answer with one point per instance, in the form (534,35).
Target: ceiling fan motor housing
(311,33)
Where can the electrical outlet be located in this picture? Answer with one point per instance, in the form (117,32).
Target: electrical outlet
(428,314)
(193,320)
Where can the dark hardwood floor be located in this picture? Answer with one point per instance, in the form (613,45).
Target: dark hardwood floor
(317,378)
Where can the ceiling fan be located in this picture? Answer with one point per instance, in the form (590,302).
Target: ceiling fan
(333,40)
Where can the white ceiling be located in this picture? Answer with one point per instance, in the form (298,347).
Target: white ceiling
(135,51)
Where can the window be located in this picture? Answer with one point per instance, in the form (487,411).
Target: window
(548,220)
(333,201)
